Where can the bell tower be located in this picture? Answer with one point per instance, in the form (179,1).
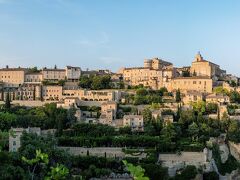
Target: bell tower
(198,57)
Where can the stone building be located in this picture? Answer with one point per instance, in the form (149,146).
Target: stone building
(68,102)
(155,74)
(182,70)
(54,74)
(29,92)
(200,84)
(73,73)
(217,98)
(12,77)
(156,63)
(51,93)
(192,96)
(35,77)
(134,121)
(108,112)
(93,95)
(201,67)
(15,136)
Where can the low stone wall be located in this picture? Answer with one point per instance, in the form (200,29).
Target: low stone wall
(90,103)
(110,152)
(28,103)
(41,103)
(175,162)
(188,158)
(98,151)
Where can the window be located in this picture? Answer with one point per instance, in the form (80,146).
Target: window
(195,98)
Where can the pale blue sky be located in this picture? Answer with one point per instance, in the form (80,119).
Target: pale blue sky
(116,33)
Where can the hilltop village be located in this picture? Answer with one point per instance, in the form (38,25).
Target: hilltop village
(175,122)
(72,87)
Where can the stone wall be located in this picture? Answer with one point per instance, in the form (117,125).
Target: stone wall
(28,103)
(90,103)
(98,151)
(110,152)
(235,150)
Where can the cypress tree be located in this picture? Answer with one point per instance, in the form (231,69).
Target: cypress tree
(8,102)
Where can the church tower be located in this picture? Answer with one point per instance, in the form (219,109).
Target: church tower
(198,57)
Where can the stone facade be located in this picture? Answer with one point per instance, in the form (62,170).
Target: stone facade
(133,121)
(93,95)
(33,77)
(53,74)
(200,84)
(155,74)
(68,102)
(201,67)
(29,92)
(217,98)
(108,112)
(192,96)
(15,136)
(12,77)
(52,93)
(73,73)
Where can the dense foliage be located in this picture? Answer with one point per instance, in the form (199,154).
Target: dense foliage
(189,132)
(46,117)
(95,82)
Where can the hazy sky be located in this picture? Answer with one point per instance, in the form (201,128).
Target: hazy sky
(116,33)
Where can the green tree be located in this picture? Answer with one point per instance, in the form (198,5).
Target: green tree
(7,120)
(234,131)
(85,82)
(101,82)
(147,115)
(41,159)
(141,92)
(186,73)
(193,130)
(220,90)
(61,82)
(178,96)
(71,118)
(8,101)
(168,133)
(186,118)
(3,139)
(136,171)
(199,106)
(33,70)
(210,176)
(138,100)
(234,97)
(154,171)
(162,91)
(60,172)
(189,172)
(121,85)
(211,108)
(233,83)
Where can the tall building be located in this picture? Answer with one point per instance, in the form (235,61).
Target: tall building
(54,74)
(12,77)
(156,63)
(200,84)
(73,73)
(201,67)
(155,74)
